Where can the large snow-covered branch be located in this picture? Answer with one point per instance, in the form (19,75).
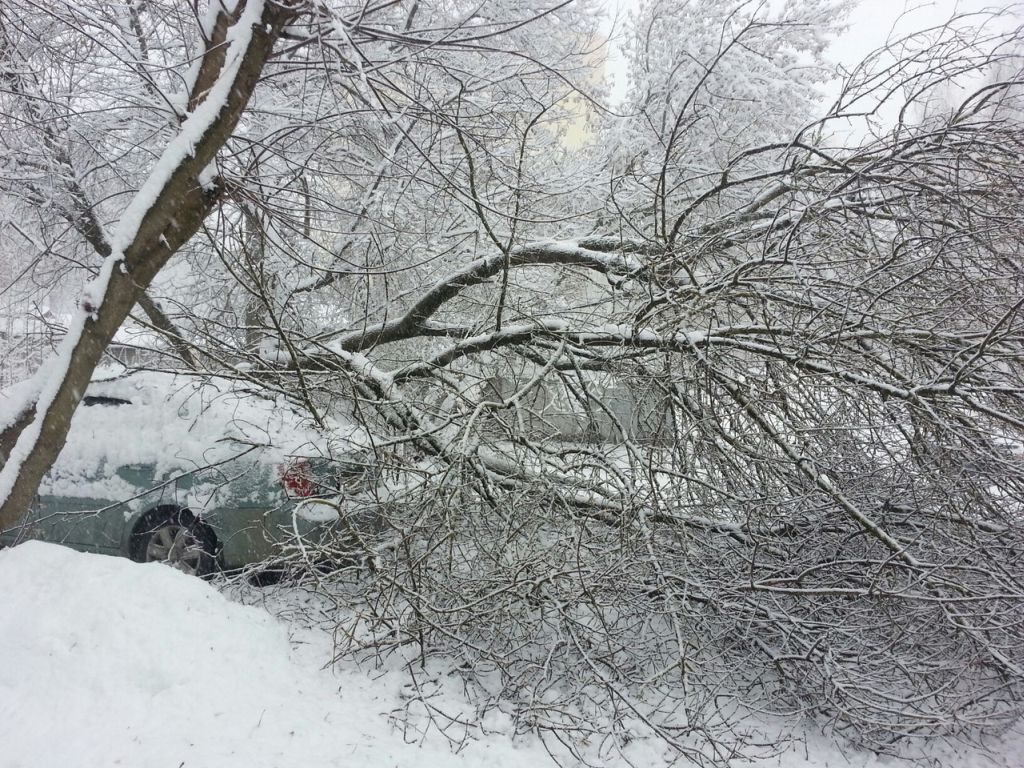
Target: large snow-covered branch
(605,255)
(753,341)
(597,496)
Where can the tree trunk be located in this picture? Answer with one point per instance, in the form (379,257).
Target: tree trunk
(178,207)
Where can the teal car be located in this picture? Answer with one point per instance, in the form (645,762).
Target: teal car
(200,473)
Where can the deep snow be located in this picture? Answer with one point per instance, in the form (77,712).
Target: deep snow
(106,662)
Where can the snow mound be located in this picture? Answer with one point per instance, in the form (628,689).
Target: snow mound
(106,662)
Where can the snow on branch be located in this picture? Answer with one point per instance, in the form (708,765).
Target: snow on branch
(583,253)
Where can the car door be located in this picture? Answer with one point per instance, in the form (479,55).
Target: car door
(80,512)
(81,506)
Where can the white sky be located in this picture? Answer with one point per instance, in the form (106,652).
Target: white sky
(870,24)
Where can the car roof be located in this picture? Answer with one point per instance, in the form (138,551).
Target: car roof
(181,421)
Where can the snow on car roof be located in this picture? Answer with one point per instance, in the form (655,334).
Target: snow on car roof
(185,421)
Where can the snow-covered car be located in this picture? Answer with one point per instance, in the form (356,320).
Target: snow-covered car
(201,473)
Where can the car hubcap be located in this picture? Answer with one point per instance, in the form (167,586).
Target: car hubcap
(176,546)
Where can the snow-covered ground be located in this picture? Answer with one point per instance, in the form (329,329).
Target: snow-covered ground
(105,662)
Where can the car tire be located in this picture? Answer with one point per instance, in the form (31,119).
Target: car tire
(176,538)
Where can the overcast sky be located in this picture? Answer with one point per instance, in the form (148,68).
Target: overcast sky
(870,24)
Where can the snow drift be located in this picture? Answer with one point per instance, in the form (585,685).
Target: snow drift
(108,662)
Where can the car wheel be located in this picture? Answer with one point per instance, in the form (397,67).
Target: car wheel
(177,539)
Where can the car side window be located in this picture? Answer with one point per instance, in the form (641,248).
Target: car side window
(104,400)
